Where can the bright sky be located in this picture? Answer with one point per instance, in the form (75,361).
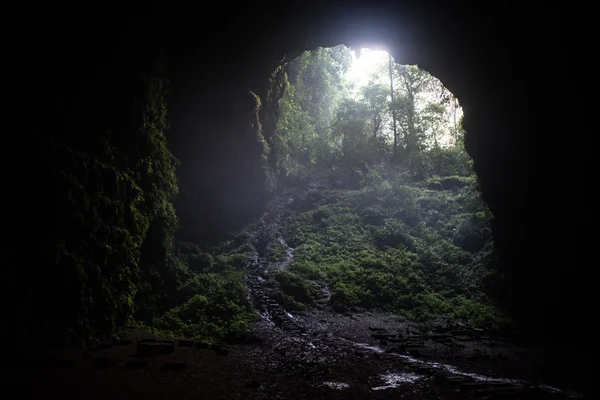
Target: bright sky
(365,64)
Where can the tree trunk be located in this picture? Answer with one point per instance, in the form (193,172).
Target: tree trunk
(395,153)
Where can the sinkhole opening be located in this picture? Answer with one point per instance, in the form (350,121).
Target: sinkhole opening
(383,208)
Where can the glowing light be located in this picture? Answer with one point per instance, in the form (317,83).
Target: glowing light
(365,65)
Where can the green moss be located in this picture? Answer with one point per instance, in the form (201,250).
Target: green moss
(398,246)
(216,310)
(297,287)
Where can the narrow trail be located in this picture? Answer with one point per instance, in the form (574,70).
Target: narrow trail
(302,345)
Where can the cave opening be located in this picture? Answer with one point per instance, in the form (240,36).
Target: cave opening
(382,207)
(117,245)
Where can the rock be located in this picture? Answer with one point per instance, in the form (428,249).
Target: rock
(147,340)
(384,337)
(414,352)
(149,349)
(105,345)
(136,364)
(383,342)
(220,350)
(434,186)
(174,366)
(104,362)
(185,342)
(453,183)
(123,342)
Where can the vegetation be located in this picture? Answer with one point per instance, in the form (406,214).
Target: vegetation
(392,218)
(107,227)
(395,220)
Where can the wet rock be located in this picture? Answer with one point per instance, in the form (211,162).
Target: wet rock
(383,342)
(150,349)
(453,183)
(435,186)
(136,364)
(382,336)
(201,345)
(414,353)
(458,379)
(220,350)
(185,342)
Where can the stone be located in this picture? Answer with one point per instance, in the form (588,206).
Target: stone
(136,364)
(185,342)
(174,366)
(201,345)
(376,329)
(382,336)
(220,350)
(150,349)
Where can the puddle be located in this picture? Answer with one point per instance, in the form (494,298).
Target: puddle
(453,370)
(395,380)
(337,385)
(369,347)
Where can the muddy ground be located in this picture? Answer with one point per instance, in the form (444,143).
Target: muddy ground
(280,364)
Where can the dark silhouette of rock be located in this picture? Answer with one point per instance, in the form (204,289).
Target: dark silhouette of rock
(150,349)
(136,364)
(174,366)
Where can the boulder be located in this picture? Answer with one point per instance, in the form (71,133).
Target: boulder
(136,364)
(185,342)
(220,350)
(174,366)
(150,349)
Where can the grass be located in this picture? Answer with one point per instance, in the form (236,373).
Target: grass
(419,249)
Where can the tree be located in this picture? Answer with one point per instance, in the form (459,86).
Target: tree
(375,96)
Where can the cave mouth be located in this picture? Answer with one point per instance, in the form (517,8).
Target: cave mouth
(335,105)
(377,205)
(379,234)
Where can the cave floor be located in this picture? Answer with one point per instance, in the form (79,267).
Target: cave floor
(277,364)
